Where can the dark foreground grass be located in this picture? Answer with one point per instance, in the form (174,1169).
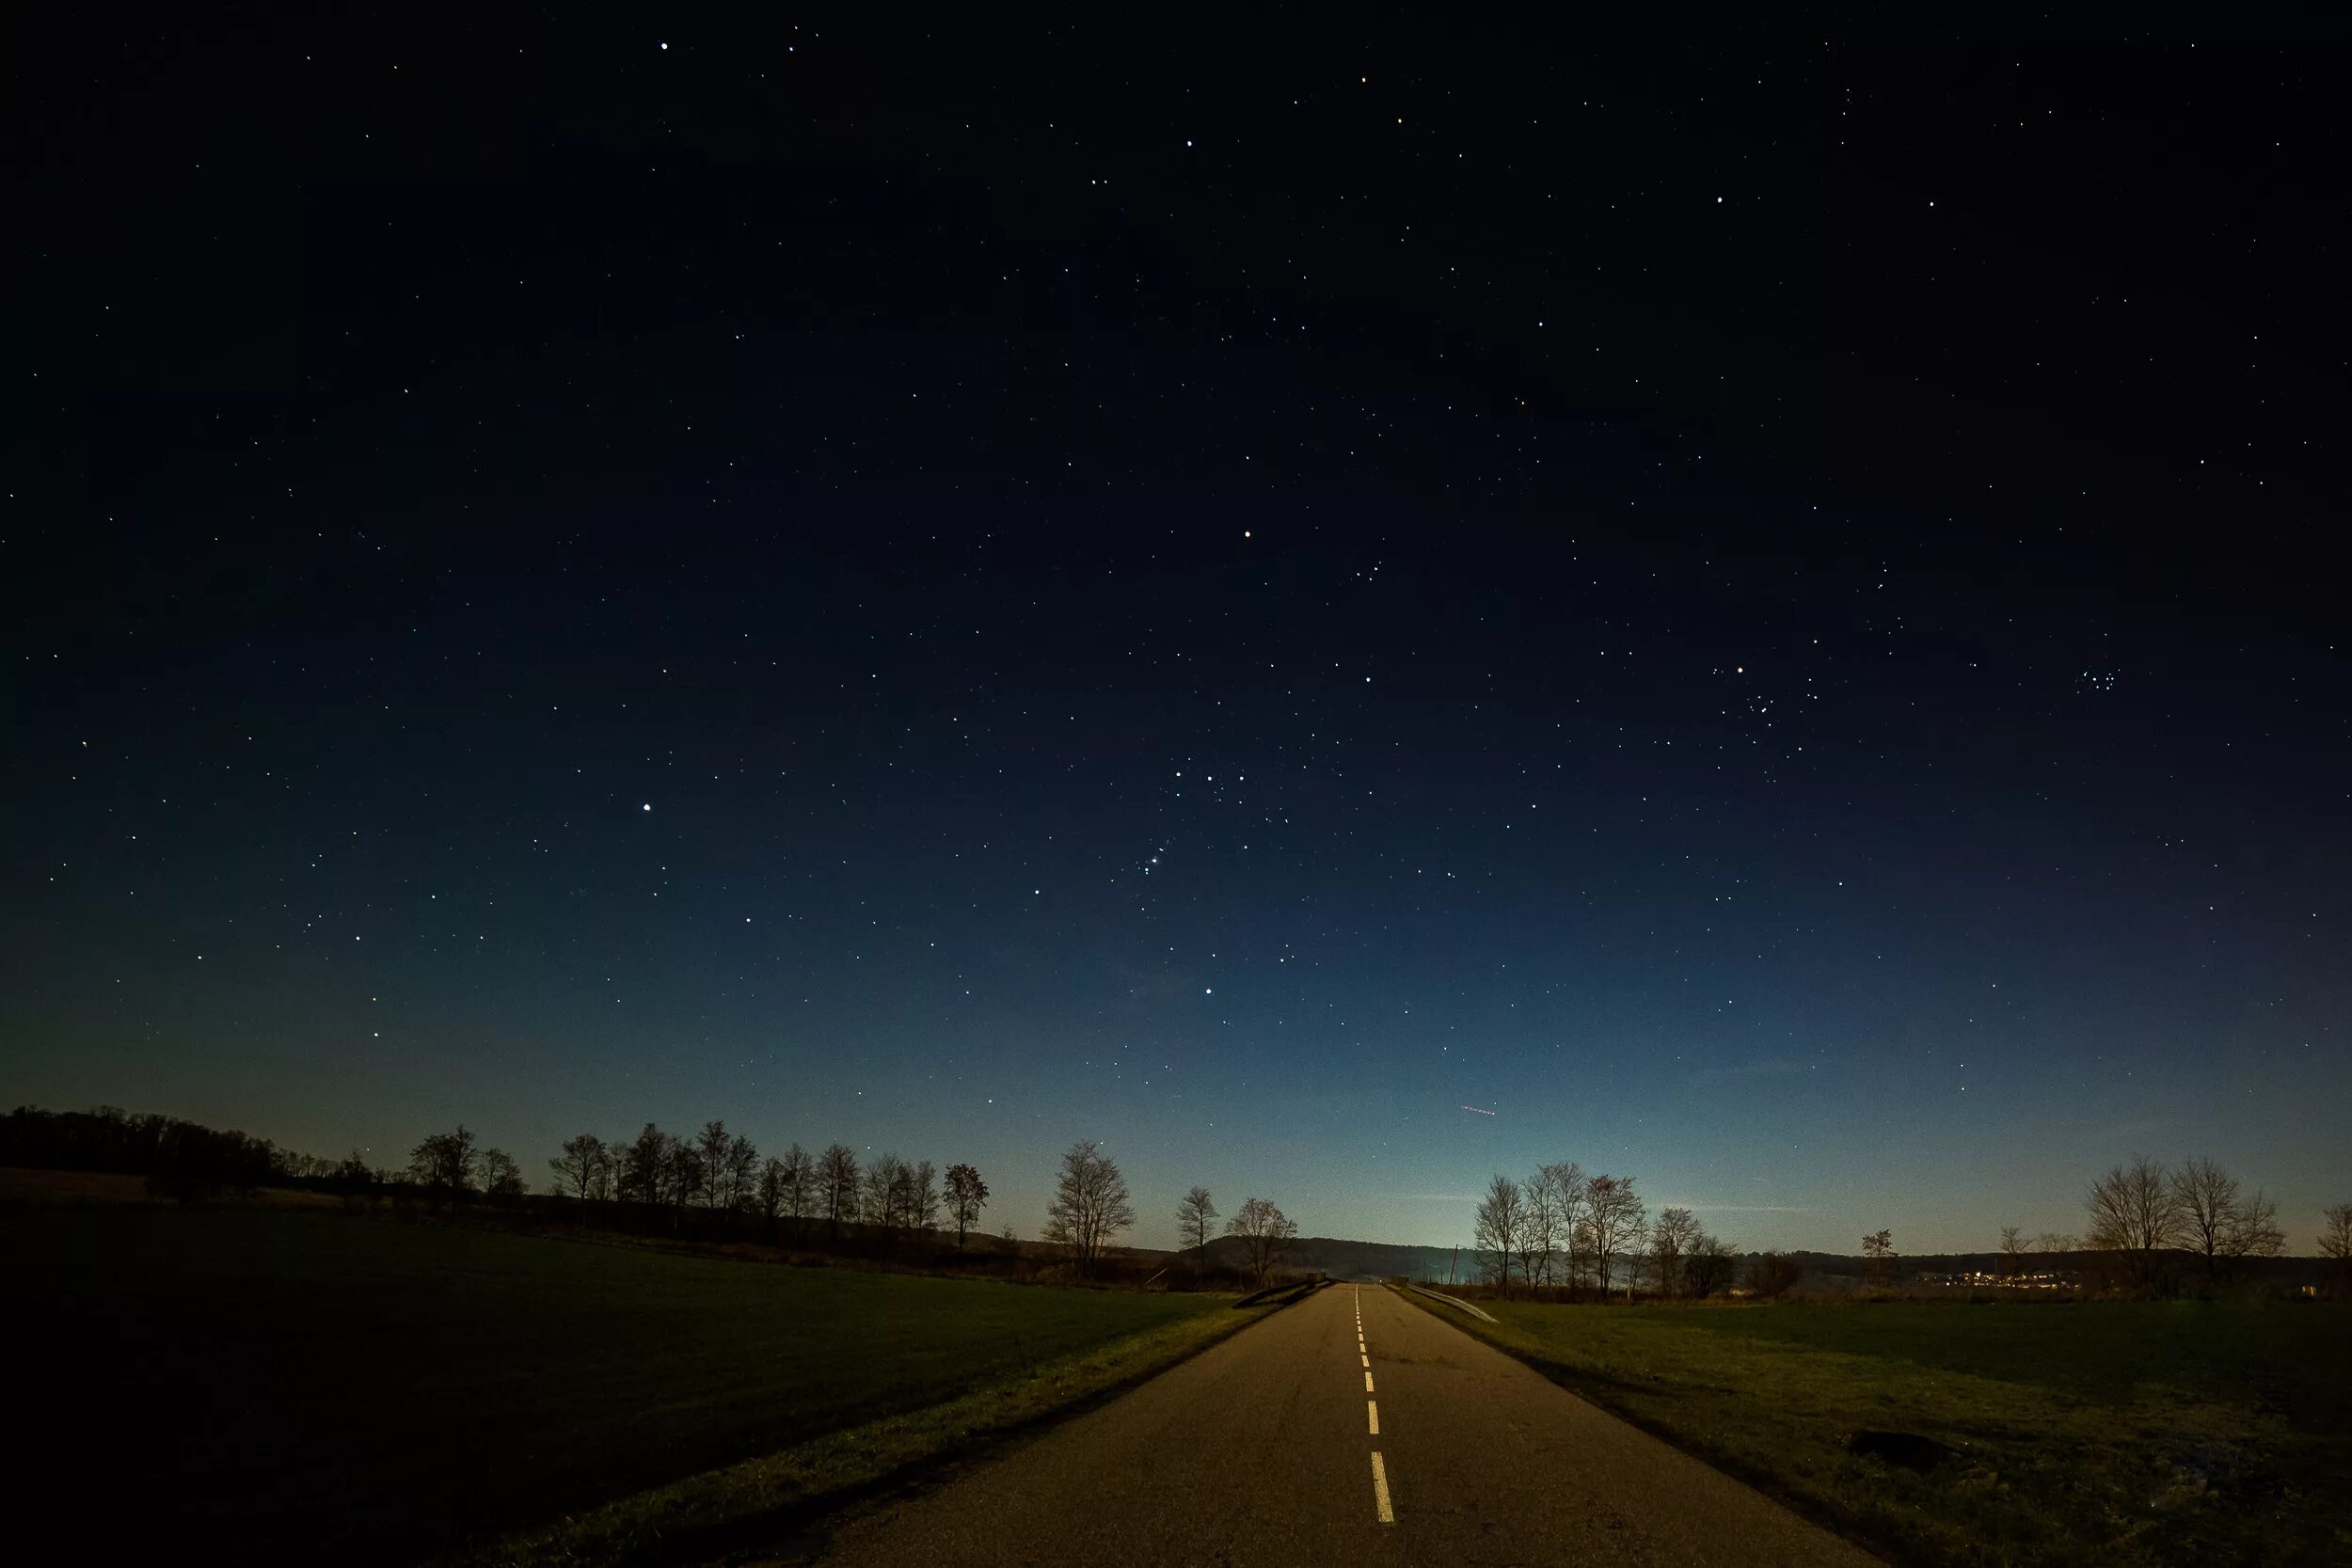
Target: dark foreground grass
(258,1382)
(758,1506)
(2105,1432)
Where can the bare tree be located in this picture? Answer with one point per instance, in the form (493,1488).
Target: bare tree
(2335,1232)
(742,1174)
(2335,1241)
(1708,1269)
(712,1149)
(443,1165)
(2013,1248)
(923,1197)
(1671,1240)
(683,1171)
(886,1191)
(1090,1204)
(501,1177)
(967,1195)
(770,1190)
(1496,1230)
(642,1167)
(2219,1220)
(837,1185)
(1615,1219)
(2135,1211)
(2054,1243)
(577,1167)
(1194,1216)
(2206,1197)
(800,1184)
(1555,1193)
(2254,1230)
(1264,1231)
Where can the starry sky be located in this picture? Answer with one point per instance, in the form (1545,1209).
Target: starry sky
(1760,606)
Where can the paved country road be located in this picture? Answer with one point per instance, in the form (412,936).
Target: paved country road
(1352,1427)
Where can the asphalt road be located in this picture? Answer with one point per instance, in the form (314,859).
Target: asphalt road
(1296,1441)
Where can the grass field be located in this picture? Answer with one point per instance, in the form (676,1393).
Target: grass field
(2095,1433)
(364,1390)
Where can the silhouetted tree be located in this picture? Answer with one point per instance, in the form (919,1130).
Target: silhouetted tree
(2013,1247)
(1774,1274)
(837,1185)
(1264,1231)
(742,1174)
(1194,1215)
(770,1191)
(1878,1254)
(1090,1204)
(1708,1269)
(576,1168)
(923,1198)
(1495,1229)
(352,1176)
(2335,1241)
(2135,1211)
(2219,1220)
(800,1184)
(886,1191)
(1615,1219)
(711,1150)
(682,1171)
(1670,1242)
(2254,1230)
(967,1195)
(643,1175)
(443,1166)
(1554,1194)
(501,1177)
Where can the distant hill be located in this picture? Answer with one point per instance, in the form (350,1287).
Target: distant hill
(1337,1257)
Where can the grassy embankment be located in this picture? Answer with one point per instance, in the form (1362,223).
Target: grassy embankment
(371,1391)
(2108,1433)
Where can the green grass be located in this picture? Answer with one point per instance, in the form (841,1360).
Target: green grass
(364,1390)
(2094,1433)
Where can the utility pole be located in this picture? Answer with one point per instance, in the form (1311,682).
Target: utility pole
(1450,1267)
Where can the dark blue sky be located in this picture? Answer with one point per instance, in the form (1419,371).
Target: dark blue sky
(1764,615)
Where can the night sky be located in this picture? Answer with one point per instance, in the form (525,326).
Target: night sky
(1763,607)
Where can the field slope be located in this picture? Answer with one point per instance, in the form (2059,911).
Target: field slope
(358,1390)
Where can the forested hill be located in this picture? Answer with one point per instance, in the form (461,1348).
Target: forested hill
(1340,1259)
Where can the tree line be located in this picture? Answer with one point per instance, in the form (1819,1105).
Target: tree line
(179,1157)
(1561,1227)
(724,1173)
(717,1178)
